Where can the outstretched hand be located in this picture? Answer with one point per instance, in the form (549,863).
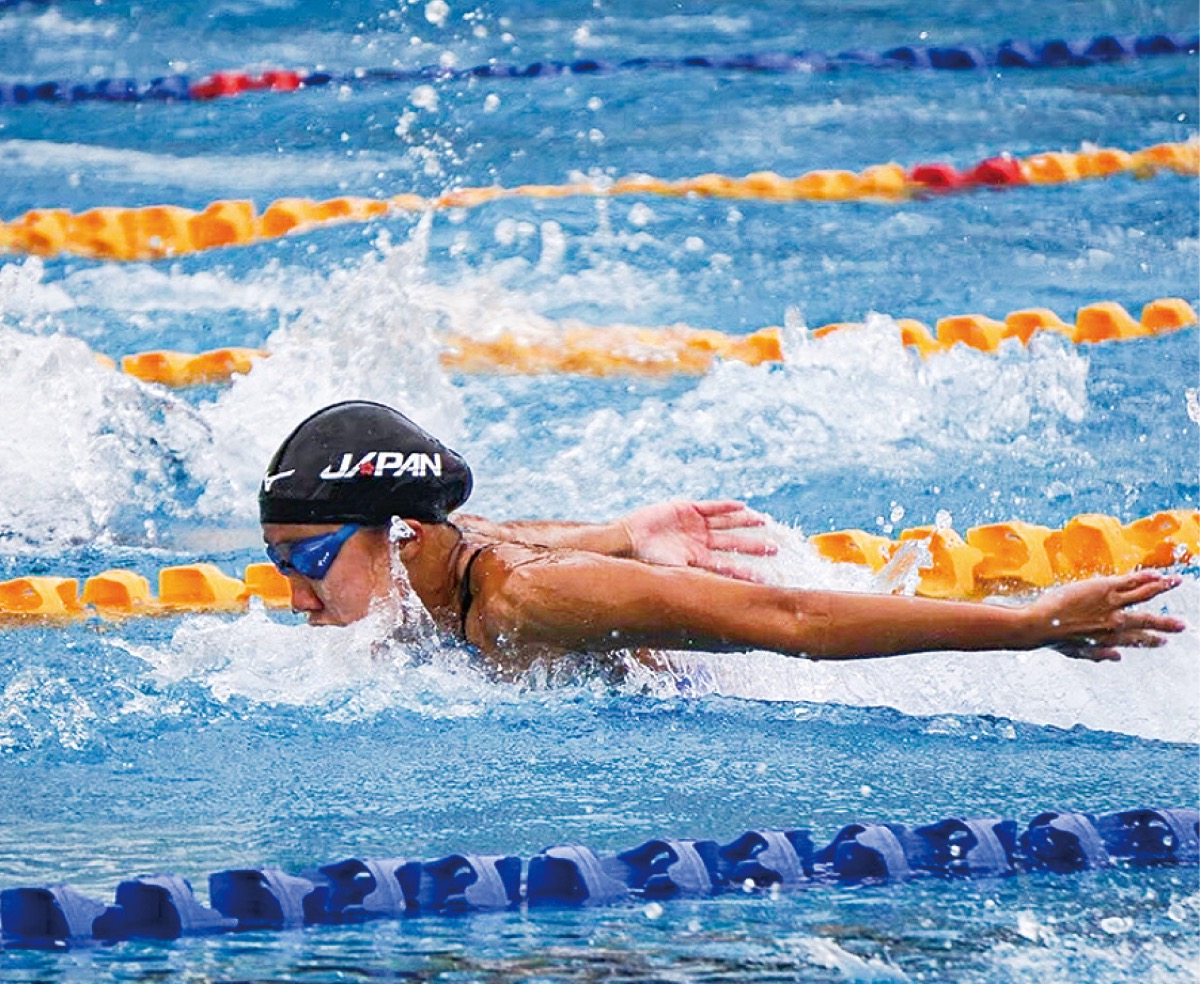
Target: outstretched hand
(693,534)
(1090,619)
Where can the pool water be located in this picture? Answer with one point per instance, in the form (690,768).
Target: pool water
(194,744)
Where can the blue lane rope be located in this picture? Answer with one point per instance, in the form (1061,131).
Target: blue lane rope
(1056,53)
(354,890)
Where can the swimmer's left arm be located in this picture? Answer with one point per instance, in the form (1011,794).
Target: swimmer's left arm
(674,534)
(596,603)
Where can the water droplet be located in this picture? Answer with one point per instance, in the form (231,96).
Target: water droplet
(436,12)
(1116,925)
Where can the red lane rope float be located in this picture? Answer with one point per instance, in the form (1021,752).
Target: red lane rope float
(995,558)
(624,350)
(153,232)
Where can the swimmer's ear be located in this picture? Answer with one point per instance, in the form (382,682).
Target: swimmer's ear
(408,535)
(399,531)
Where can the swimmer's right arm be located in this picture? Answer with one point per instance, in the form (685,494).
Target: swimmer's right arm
(594,603)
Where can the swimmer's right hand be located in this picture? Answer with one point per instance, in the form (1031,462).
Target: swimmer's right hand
(1091,619)
(696,534)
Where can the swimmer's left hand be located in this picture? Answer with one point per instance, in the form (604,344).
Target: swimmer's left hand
(695,534)
(1091,619)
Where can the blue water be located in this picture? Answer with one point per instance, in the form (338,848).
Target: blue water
(197,744)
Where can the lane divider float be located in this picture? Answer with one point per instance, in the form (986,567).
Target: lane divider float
(1054,53)
(994,558)
(680,349)
(358,889)
(158,231)
(1016,556)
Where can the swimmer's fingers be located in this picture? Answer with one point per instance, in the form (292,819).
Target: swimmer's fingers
(1131,589)
(1094,654)
(728,514)
(1140,621)
(725,519)
(734,543)
(1106,648)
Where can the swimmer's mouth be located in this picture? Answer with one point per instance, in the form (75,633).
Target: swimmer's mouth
(324,620)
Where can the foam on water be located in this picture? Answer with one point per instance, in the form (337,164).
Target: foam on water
(143,287)
(208,175)
(88,452)
(857,399)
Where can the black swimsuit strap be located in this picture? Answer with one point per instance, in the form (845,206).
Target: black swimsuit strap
(466,596)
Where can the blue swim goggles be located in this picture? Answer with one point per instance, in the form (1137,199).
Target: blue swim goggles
(312,557)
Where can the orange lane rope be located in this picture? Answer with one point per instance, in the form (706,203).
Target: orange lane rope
(625,350)
(998,557)
(154,232)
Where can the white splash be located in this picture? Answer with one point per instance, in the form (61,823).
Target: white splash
(349,673)
(856,398)
(87,451)
(24,295)
(826,953)
(85,447)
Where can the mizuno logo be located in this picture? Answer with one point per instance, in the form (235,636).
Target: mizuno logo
(380,463)
(272,479)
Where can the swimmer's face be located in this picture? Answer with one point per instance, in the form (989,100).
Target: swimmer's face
(360,573)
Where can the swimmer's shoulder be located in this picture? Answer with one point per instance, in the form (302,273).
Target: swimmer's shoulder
(505,586)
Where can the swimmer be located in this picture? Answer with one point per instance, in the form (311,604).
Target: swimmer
(358,484)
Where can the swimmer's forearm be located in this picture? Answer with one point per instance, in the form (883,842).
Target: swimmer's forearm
(840,626)
(851,626)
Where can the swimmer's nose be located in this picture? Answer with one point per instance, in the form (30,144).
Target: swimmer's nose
(304,598)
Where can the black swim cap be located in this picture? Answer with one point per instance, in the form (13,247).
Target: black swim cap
(360,462)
